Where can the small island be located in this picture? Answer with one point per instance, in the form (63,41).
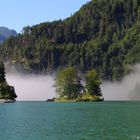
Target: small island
(69,86)
(7,92)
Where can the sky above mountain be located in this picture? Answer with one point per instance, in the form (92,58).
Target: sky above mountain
(15,14)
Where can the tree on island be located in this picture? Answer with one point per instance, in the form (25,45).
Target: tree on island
(69,87)
(6,91)
(68,83)
(92,83)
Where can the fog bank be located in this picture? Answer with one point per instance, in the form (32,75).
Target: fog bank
(32,87)
(40,88)
(127,89)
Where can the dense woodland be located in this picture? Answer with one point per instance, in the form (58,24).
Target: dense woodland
(103,34)
(6,91)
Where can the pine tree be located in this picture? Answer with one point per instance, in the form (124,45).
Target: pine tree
(6,91)
(68,83)
(93,83)
(2,72)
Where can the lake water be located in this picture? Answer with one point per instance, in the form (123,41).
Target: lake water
(70,121)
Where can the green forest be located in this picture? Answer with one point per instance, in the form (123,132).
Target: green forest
(103,35)
(6,91)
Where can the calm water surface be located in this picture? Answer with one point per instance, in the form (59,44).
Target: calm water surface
(70,121)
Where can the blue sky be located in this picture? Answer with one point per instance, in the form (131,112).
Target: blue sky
(15,14)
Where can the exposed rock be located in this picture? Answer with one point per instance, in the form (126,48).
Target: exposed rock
(50,100)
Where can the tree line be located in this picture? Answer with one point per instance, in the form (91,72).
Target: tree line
(102,35)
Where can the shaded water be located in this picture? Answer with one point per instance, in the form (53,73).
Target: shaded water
(70,121)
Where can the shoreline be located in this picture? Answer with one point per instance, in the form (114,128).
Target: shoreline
(85,99)
(6,101)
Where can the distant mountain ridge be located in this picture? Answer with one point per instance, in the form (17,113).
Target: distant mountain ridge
(6,33)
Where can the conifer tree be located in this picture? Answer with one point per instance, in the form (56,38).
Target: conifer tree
(2,72)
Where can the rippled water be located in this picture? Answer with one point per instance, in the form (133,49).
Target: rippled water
(70,121)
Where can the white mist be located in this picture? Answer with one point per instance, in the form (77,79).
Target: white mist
(40,88)
(32,87)
(127,89)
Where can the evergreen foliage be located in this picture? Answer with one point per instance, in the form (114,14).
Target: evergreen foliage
(68,83)
(6,91)
(103,34)
(69,88)
(2,72)
(93,83)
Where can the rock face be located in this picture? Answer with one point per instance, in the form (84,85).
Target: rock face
(50,100)
(6,33)
(7,92)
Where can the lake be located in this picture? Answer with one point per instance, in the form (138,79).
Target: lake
(70,121)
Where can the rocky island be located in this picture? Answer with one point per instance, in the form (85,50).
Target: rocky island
(7,92)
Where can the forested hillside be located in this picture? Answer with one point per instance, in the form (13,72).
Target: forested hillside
(103,34)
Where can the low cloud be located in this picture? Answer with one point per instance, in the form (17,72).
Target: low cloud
(40,88)
(127,89)
(32,87)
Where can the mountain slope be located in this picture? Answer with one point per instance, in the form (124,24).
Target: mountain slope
(6,33)
(102,35)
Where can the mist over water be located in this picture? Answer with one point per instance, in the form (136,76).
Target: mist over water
(40,88)
(32,87)
(127,89)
